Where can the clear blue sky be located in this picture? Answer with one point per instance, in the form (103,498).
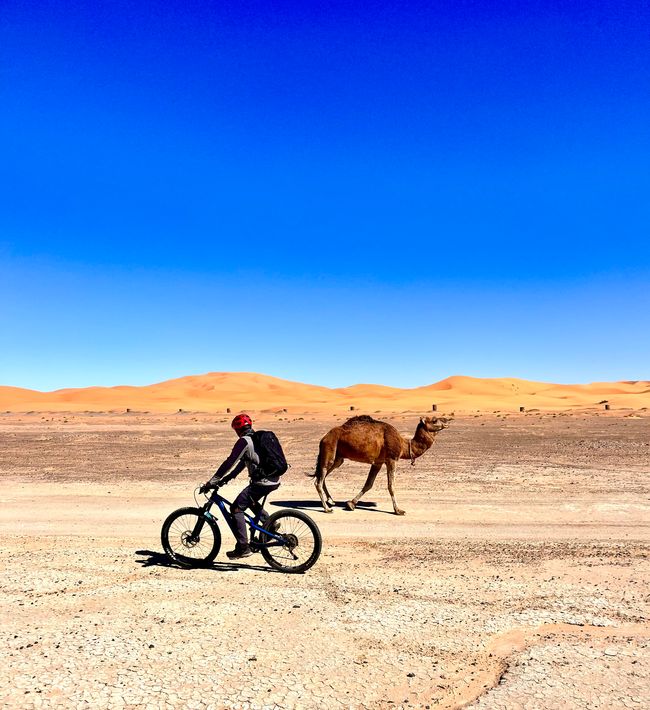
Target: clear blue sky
(327,192)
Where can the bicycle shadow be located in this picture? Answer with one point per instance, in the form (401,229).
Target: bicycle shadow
(313,505)
(160,559)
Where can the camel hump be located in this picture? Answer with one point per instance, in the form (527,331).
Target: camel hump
(361,418)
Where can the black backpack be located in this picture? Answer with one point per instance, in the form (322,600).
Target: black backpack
(272,458)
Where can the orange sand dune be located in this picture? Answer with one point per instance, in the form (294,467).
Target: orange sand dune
(216,391)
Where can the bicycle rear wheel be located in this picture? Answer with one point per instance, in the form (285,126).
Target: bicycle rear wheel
(189,538)
(302,538)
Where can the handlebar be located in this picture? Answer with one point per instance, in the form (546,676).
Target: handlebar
(204,488)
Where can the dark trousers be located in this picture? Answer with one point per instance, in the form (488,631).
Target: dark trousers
(249,498)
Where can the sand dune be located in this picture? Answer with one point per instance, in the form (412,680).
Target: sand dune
(216,391)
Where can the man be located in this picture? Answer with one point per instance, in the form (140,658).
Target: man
(243,455)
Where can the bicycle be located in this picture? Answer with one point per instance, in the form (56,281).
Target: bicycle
(291,541)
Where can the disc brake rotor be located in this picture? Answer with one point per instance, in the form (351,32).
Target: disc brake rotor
(188,540)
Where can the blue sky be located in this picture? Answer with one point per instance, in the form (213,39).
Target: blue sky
(328,192)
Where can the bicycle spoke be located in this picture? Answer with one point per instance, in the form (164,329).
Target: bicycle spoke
(292,527)
(190,538)
(184,527)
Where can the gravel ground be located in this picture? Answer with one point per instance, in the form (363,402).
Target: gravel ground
(517,578)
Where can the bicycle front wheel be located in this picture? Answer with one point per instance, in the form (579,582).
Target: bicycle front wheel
(302,541)
(189,538)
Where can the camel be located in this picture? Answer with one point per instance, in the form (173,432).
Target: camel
(367,440)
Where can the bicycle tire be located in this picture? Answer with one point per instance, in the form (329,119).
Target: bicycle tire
(293,523)
(175,533)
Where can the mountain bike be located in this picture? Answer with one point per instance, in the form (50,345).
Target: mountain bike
(290,540)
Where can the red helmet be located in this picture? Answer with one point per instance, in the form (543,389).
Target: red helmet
(241,421)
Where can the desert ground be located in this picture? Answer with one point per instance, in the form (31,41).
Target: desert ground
(518,577)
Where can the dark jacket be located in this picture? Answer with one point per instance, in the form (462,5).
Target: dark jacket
(243,455)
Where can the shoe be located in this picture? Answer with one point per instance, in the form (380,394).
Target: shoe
(239,552)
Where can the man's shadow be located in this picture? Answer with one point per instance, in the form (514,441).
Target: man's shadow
(160,559)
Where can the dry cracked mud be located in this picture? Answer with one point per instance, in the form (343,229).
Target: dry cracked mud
(518,578)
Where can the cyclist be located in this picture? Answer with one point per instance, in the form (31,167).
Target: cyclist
(243,455)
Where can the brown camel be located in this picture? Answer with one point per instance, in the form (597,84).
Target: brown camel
(367,440)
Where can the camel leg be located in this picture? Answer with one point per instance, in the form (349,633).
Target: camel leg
(330,500)
(390,469)
(320,486)
(374,470)
(338,462)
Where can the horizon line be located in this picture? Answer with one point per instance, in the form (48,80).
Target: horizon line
(311,384)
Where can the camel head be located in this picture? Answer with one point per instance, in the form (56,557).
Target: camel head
(434,424)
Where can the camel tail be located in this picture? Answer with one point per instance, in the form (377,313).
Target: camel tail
(317,469)
(324,455)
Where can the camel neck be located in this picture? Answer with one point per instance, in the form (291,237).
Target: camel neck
(423,438)
(421,442)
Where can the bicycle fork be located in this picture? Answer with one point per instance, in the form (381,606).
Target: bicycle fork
(200,522)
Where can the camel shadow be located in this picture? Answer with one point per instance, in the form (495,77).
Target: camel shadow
(313,505)
(160,559)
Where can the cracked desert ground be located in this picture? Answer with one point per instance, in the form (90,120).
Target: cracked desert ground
(518,578)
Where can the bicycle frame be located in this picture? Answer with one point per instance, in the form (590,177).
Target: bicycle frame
(252,522)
